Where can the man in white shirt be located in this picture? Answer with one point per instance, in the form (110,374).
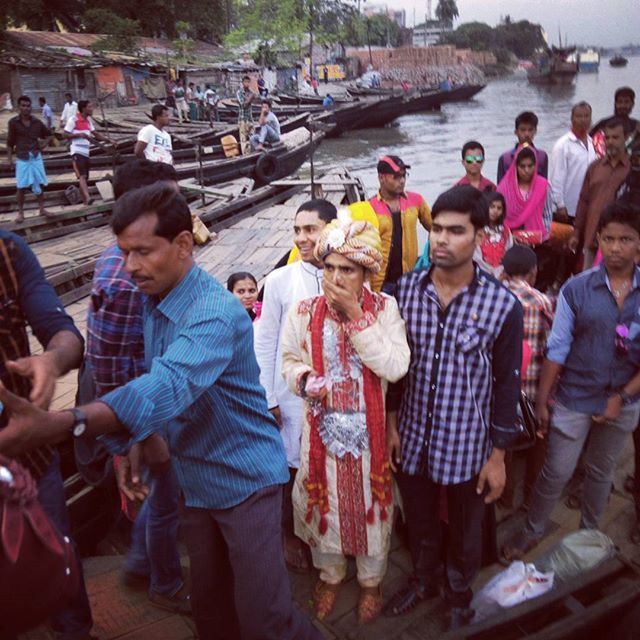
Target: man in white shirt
(571,156)
(47,113)
(154,143)
(284,287)
(81,130)
(69,110)
(211,99)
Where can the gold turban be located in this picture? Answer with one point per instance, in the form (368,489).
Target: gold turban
(356,240)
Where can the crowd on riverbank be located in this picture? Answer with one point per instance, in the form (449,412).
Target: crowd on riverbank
(277,432)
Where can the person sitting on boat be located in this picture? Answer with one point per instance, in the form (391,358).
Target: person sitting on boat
(473,157)
(624,101)
(154,143)
(328,101)
(525,130)
(269,128)
(81,130)
(27,136)
(340,350)
(398,213)
(528,199)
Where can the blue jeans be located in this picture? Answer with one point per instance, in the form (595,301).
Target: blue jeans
(75,621)
(266,134)
(154,539)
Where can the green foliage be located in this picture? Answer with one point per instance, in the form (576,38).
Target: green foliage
(447,11)
(121,33)
(272,25)
(521,38)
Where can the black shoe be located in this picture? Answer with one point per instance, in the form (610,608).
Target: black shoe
(177,603)
(460,617)
(408,597)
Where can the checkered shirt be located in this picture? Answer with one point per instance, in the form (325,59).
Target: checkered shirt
(460,396)
(538,318)
(115,336)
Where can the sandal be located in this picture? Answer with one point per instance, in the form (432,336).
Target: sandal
(325,595)
(517,549)
(370,604)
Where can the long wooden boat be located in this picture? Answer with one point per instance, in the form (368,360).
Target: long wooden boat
(282,159)
(382,111)
(462,93)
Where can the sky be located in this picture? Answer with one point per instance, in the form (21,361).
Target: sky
(607,23)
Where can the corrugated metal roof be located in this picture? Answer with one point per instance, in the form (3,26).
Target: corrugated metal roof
(85,40)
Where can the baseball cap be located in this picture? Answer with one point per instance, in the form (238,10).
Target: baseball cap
(391,164)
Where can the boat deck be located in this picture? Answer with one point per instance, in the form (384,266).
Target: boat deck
(255,243)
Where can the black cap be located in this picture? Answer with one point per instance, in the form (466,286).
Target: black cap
(391,164)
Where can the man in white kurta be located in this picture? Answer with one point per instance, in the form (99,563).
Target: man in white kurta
(571,156)
(283,288)
(339,351)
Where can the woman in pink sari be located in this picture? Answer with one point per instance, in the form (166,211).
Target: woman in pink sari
(528,198)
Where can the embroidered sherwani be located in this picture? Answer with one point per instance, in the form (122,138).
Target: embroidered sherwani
(377,341)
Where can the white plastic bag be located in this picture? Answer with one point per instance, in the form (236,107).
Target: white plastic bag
(517,583)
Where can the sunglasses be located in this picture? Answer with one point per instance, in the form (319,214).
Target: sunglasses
(621,339)
(472,159)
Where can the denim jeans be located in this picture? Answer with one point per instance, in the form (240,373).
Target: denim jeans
(266,134)
(154,539)
(75,621)
(567,435)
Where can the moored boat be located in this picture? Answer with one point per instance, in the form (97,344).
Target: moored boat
(618,61)
(555,66)
(589,61)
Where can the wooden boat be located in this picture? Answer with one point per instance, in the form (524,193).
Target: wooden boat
(343,117)
(618,61)
(382,111)
(461,93)
(282,159)
(428,100)
(555,66)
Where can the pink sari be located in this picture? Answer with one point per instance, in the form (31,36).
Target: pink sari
(525,215)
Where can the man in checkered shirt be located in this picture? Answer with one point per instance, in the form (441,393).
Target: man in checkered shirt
(452,417)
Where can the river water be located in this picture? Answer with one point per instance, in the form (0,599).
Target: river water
(431,142)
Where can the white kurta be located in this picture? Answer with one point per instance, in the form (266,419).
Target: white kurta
(383,348)
(283,288)
(570,160)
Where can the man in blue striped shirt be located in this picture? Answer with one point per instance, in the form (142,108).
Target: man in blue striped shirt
(203,388)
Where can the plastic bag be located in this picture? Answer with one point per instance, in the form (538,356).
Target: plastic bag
(517,583)
(577,553)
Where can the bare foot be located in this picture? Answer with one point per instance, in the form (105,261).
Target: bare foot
(19,218)
(46,213)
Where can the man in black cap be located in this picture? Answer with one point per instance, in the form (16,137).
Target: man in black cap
(398,212)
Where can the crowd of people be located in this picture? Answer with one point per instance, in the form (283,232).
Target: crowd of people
(273,427)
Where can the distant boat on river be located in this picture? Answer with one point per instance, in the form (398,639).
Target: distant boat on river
(555,66)
(618,61)
(588,61)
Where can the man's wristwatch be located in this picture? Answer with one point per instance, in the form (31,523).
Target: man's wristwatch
(625,397)
(79,425)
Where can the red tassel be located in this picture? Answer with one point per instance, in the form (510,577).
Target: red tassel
(383,514)
(370,516)
(323,525)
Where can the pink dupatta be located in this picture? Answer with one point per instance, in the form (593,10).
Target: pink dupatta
(521,213)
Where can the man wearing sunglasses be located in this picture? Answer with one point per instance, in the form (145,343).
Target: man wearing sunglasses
(473,161)
(596,379)
(398,212)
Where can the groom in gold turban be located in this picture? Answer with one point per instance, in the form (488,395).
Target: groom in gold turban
(339,352)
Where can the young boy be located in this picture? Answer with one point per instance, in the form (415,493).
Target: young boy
(526,129)
(473,160)
(591,364)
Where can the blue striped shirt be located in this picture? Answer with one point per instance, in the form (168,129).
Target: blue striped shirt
(203,392)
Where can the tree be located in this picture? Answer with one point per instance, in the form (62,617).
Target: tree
(121,33)
(447,11)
